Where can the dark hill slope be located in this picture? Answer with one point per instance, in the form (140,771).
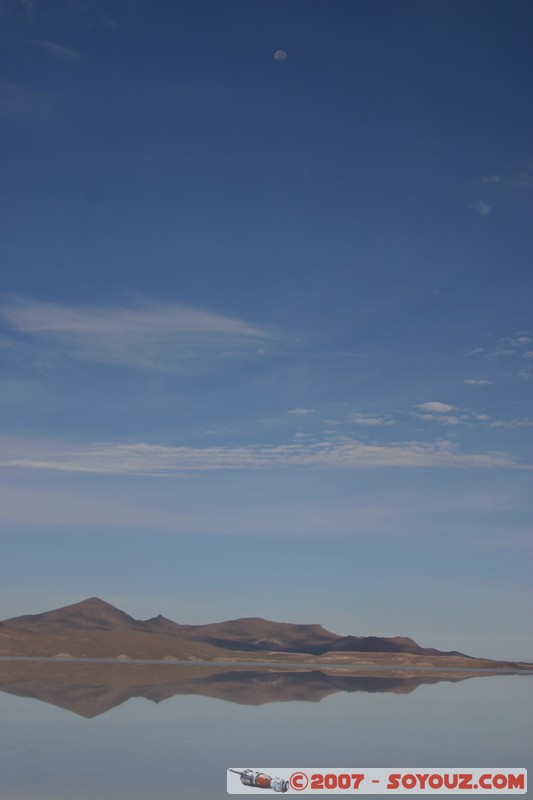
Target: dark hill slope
(257,634)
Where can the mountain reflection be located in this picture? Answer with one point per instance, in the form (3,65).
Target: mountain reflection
(92,689)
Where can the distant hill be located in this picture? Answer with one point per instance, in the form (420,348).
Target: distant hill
(93,628)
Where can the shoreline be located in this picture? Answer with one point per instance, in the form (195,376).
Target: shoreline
(526,669)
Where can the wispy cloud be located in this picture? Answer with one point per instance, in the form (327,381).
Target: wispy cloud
(524,178)
(369,420)
(517,176)
(440,412)
(444,414)
(150,335)
(514,349)
(162,460)
(492,178)
(301,412)
(449,419)
(511,345)
(435,406)
(473,419)
(482,207)
(526,374)
(476,382)
(59,51)
(511,423)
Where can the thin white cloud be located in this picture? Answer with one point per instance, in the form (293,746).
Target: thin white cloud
(525,374)
(512,423)
(151,335)
(524,178)
(482,207)
(518,177)
(435,406)
(369,420)
(476,382)
(443,419)
(162,460)
(514,348)
(440,413)
(301,412)
(473,419)
(58,51)
(511,344)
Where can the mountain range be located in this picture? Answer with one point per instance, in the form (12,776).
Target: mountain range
(94,628)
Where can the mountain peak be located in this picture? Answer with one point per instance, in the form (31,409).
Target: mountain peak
(93,602)
(90,614)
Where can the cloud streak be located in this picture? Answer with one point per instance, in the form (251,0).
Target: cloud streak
(369,420)
(513,178)
(482,207)
(163,460)
(59,51)
(151,335)
(436,407)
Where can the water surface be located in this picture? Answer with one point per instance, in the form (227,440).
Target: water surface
(180,747)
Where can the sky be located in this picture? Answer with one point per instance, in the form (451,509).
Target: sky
(266,340)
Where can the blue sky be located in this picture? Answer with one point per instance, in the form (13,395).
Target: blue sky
(265,325)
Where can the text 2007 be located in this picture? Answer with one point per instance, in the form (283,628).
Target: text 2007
(332,781)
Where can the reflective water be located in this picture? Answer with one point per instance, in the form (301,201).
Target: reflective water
(114,736)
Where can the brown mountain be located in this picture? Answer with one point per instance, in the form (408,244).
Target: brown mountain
(96,629)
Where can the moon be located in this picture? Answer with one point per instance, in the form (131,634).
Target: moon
(280,55)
